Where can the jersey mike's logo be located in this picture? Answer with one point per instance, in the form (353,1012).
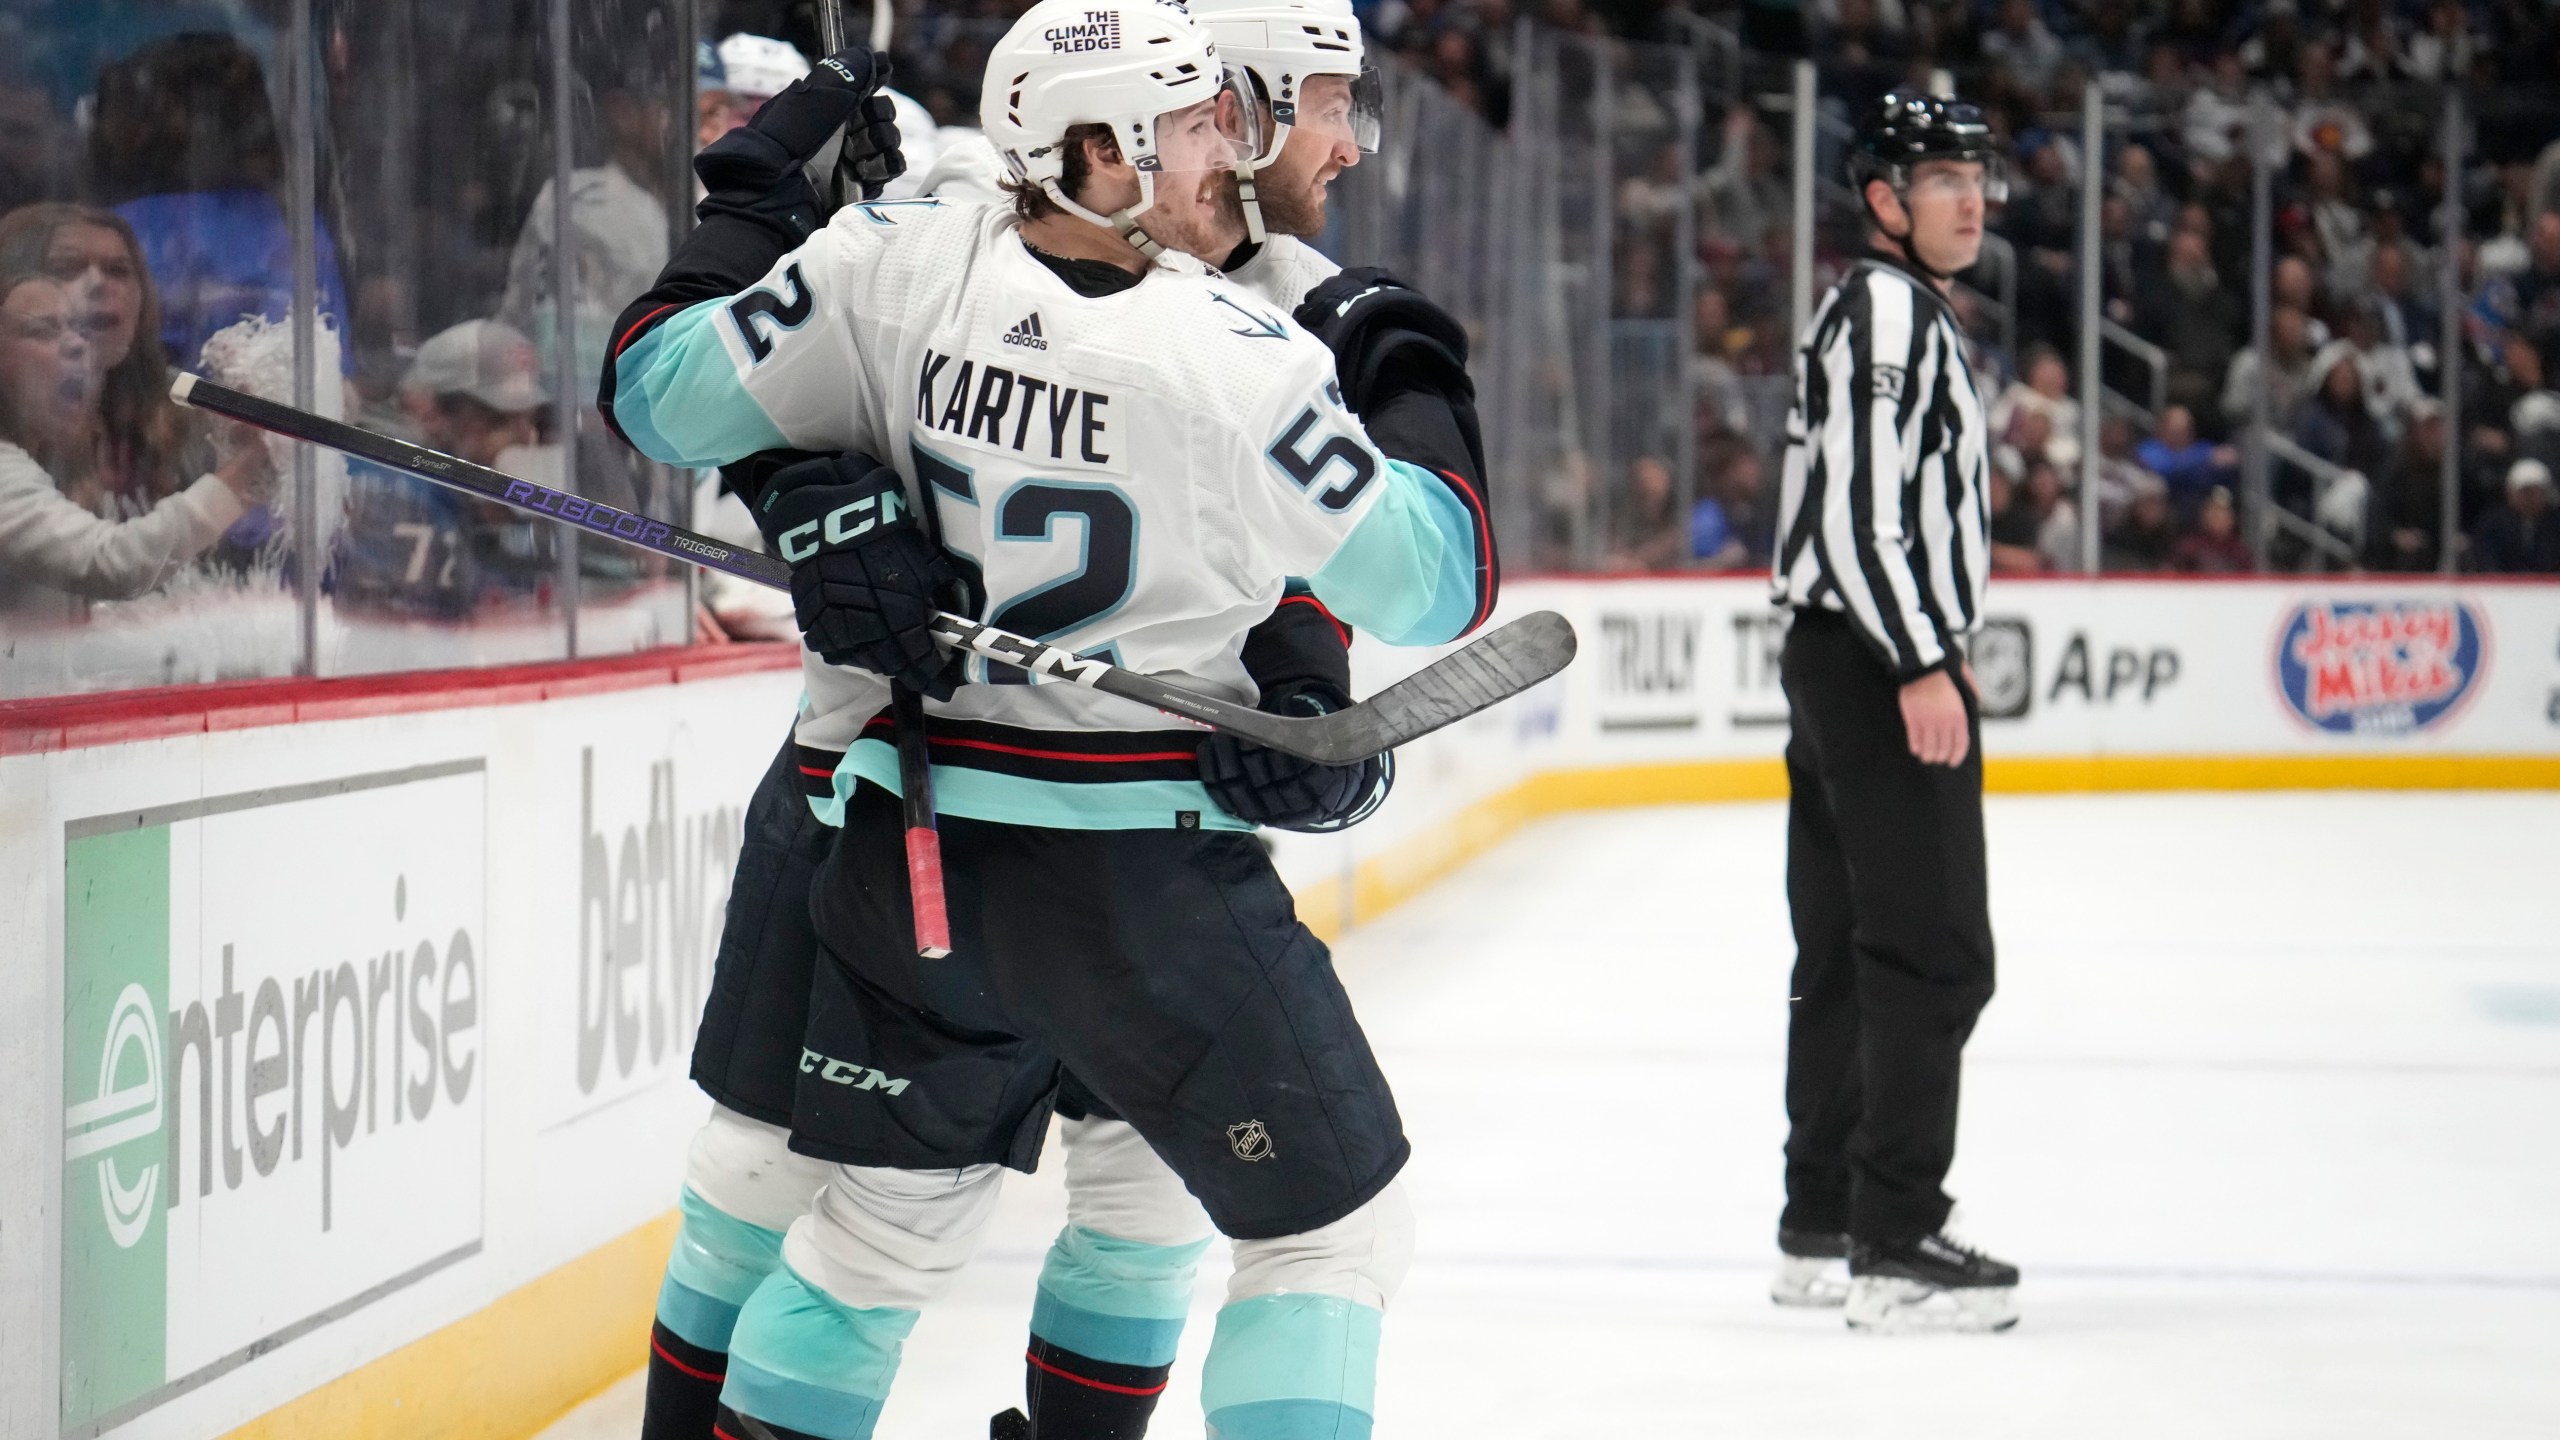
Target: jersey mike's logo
(2379,667)
(1026,333)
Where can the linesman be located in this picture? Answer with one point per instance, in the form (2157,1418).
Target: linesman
(1884,543)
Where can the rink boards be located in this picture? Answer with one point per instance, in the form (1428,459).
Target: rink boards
(2130,684)
(350,1019)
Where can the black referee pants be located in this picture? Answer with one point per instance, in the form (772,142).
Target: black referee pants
(1893,943)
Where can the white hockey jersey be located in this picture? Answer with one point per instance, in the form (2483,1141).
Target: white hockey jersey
(1130,476)
(1282,271)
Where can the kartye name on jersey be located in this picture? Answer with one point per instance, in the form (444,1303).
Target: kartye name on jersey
(1012,409)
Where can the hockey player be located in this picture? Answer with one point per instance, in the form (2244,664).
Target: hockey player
(1318,105)
(1883,549)
(745,1185)
(1176,546)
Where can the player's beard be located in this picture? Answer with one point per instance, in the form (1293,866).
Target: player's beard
(1295,210)
(1207,221)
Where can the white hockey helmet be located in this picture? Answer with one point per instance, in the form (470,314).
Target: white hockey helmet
(1126,64)
(1282,44)
(760,67)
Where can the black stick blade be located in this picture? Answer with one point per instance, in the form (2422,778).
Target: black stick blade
(1496,667)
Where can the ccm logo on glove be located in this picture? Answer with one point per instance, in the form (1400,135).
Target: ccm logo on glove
(839,526)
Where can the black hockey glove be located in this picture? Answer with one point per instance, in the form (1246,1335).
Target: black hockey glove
(1387,338)
(864,579)
(832,120)
(1275,788)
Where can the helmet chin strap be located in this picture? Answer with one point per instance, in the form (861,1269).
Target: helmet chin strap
(1123,223)
(1253,227)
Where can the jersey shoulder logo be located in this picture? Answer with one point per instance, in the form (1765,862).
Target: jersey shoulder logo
(1258,326)
(885,212)
(1026,333)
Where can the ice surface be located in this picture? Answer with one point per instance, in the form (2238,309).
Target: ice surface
(2268,1107)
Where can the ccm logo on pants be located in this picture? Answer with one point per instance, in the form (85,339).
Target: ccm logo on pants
(845,1072)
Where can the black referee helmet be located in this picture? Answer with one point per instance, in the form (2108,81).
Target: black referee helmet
(1903,129)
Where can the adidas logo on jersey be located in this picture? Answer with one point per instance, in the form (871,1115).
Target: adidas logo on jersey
(1026,333)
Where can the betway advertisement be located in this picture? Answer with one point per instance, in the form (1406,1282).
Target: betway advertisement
(275,1089)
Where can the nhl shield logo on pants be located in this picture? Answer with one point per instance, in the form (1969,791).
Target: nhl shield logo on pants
(1252,1141)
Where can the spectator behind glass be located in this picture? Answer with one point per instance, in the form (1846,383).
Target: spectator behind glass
(2285,378)
(617,221)
(2148,534)
(2333,421)
(54,555)
(2189,466)
(2215,546)
(38,152)
(2044,389)
(126,457)
(2189,313)
(475,391)
(1646,532)
(1725,525)
(2409,495)
(2522,536)
(184,147)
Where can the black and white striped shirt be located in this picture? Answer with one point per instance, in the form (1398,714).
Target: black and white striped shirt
(1883,512)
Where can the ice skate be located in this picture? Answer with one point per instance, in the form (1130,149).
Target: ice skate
(1813,1270)
(1933,1283)
(1011,1425)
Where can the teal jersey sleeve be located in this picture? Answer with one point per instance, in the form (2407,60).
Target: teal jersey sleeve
(782,363)
(679,396)
(1407,572)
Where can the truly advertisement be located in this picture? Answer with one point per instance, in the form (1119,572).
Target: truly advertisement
(2380,667)
(274,1071)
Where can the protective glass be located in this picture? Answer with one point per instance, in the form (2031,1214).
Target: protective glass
(1222,132)
(1338,107)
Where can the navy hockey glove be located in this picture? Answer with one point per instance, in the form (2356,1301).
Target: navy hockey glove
(865,581)
(1387,338)
(761,170)
(1275,788)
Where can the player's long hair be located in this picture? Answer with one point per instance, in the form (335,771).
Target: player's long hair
(137,431)
(1030,202)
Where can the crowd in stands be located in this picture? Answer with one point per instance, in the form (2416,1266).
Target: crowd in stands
(2352,95)
(145,228)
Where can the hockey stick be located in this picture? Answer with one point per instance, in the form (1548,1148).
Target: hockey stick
(925,904)
(1487,672)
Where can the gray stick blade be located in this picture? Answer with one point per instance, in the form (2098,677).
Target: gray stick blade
(1484,674)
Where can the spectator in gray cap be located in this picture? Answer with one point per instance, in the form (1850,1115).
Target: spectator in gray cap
(2521,536)
(476,391)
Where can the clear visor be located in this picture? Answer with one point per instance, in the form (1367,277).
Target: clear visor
(1955,180)
(1222,132)
(1338,107)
